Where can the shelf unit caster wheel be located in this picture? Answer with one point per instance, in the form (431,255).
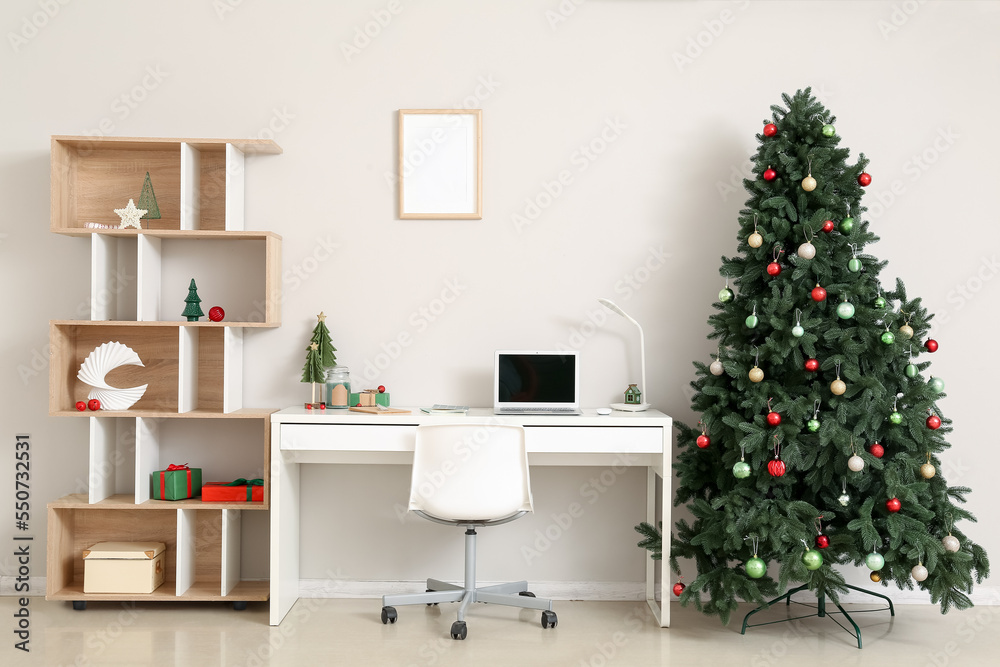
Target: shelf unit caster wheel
(239,605)
(431,604)
(388,615)
(526,594)
(79,605)
(549,619)
(459,630)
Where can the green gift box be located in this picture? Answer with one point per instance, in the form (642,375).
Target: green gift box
(177,482)
(380,399)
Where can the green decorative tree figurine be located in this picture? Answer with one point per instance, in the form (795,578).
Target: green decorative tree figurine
(147,200)
(820,431)
(313,370)
(321,336)
(192,311)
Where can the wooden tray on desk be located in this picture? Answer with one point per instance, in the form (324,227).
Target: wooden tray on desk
(378,410)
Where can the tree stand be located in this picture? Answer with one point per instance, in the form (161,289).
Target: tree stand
(820,610)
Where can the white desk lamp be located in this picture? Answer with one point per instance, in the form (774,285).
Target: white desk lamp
(631,407)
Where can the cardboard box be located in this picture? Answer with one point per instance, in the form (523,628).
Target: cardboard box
(124,567)
(175,484)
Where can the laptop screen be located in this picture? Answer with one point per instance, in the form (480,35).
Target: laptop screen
(536,378)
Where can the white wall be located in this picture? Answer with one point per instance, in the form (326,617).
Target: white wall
(681,130)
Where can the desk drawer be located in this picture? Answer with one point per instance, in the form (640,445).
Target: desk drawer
(347,437)
(595,440)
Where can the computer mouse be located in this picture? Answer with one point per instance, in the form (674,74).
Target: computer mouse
(604,411)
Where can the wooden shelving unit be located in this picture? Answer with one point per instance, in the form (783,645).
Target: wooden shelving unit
(194,370)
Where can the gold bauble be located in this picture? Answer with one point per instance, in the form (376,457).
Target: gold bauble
(809,183)
(906,331)
(756,375)
(755,240)
(875,576)
(838,387)
(927,471)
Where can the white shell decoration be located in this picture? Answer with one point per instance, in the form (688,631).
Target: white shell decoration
(104,359)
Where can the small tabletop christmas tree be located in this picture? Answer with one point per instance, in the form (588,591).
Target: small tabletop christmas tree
(820,434)
(147,200)
(192,311)
(319,356)
(321,335)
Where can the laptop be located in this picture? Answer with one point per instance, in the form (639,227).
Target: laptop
(528,382)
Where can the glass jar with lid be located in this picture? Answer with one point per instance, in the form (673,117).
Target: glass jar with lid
(338,387)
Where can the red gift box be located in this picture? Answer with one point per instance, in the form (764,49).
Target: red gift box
(237,491)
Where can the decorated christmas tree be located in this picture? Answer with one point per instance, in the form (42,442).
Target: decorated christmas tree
(820,429)
(192,309)
(321,336)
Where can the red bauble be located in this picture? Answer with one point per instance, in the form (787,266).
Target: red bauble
(81,406)
(94,404)
(893,505)
(773,269)
(381,389)
(776,468)
(309,406)
(931,345)
(678,589)
(822,541)
(933,422)
(864,180)
(876,450)
(812,365)
(770,130)
(818,293)
(215,313)
(828,226)
(703,441)
(770,174)
(773,418)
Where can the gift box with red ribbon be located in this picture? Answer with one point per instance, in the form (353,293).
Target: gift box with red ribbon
(175,483)
(238,491)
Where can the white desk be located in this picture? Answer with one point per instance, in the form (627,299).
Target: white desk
(301,436)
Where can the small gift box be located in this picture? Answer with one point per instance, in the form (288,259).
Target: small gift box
(175,483)
(370,398)
(238,491)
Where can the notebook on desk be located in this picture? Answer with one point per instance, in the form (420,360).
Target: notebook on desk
(528,382)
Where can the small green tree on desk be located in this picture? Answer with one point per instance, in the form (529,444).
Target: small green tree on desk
(314,372)
(321,336)
(192,311)
(819,437)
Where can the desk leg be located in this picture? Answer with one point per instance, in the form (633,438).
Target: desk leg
(658,504)
(284,532)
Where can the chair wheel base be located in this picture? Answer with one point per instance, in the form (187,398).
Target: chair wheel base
(459,630)
(526,594)
(388,615)
(549,619)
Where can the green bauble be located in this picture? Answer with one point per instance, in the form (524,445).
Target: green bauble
(911,371)
(829,130)
(896,418)
(854,265)
(812,425)
(751,321)
(846,225)
(874,561)
(845,310)
(755,567)
(936,385)
(798,331)
(725,295)
(812,559)
(888,338)
(880,302)
(741,470)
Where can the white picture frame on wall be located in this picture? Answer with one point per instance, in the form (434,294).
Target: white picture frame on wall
(441,164)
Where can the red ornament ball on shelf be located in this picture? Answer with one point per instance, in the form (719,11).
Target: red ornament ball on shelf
(773,418)
(381,389)
(773,269)
(776,468)
(770,130)
(822,541)
(678,589)
(812,365)
(818,293)
(703,441)
(933,422)
(827,226)
(81,406)
(876,450)
(931,345)
(770,174)
(94,404)
(893,505)
(864,180)
(216,313)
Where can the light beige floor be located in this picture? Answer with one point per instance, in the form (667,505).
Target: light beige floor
(590,634)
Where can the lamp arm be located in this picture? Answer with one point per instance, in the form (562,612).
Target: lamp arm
(642,360)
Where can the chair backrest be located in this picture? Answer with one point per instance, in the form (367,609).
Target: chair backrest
(473,471)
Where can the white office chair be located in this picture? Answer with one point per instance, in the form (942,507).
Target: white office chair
(470,474)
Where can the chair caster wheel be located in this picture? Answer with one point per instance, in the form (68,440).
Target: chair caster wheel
(240,605)
(526,594)
(79,605)
(549,619)
(459,630)
(388,615)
